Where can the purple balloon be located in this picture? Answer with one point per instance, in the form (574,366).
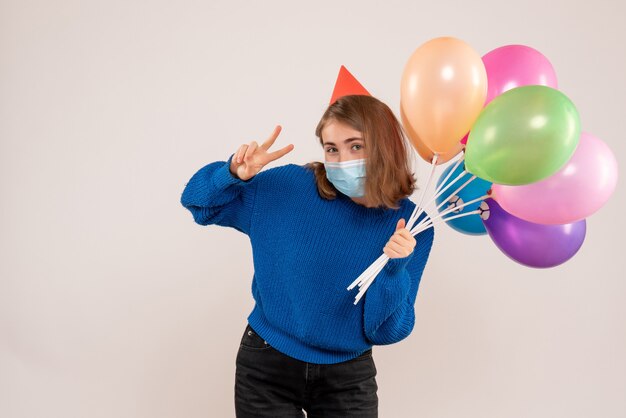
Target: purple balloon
(531,244)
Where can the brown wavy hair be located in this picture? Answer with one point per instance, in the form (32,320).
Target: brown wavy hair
(389,176)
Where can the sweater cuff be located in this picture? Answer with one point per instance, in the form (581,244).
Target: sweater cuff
(396,264)
(223,178)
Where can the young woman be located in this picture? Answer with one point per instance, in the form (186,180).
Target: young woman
(314,229)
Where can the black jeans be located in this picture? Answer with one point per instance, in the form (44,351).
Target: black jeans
(271,384)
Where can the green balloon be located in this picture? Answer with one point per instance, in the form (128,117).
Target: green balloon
(522,136)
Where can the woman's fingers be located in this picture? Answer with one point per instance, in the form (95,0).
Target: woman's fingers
(247,151)
(390,252)
(401,239)
(268,143)
(397,249)
(240,153)
(399,246)
(250,151)
(281,152)
(408,238)
(404,232)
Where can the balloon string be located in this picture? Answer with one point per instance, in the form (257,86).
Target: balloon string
(363,277)
(439,190)
(442,191)
(454,208)
(366,278)
(449,210)
(456,165)
(447,187)
(367,282)
(471,179)
(417,211)
(432,224)
(457,191)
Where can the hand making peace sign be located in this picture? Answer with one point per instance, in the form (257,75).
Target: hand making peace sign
(251,158)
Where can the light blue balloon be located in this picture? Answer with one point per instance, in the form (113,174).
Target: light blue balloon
(472,224)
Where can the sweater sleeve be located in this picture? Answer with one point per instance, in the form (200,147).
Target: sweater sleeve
(214,196)
(389,313)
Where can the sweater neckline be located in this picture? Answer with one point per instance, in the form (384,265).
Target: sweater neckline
(359,209)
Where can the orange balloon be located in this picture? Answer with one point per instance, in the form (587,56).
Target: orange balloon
(423,151)
(443,90)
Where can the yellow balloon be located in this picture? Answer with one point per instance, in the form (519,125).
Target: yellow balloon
(443,90)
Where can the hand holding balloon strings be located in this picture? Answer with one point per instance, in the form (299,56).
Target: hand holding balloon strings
(401,243)
(366,278)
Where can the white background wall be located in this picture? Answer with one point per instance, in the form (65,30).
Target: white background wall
(114,303)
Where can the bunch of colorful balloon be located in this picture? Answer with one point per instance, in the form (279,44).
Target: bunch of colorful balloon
(527,175)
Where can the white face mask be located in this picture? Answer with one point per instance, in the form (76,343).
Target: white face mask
(347,176)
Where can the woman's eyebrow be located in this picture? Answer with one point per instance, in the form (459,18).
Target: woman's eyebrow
(354,138)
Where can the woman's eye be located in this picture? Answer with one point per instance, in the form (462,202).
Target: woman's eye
(330,149)
(357,145)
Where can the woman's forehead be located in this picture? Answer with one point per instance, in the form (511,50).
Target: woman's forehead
(339,132)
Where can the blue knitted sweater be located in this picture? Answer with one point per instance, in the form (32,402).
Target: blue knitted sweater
(306,251)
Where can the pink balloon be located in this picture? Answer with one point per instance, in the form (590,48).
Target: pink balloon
(578,189)
(515,66)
